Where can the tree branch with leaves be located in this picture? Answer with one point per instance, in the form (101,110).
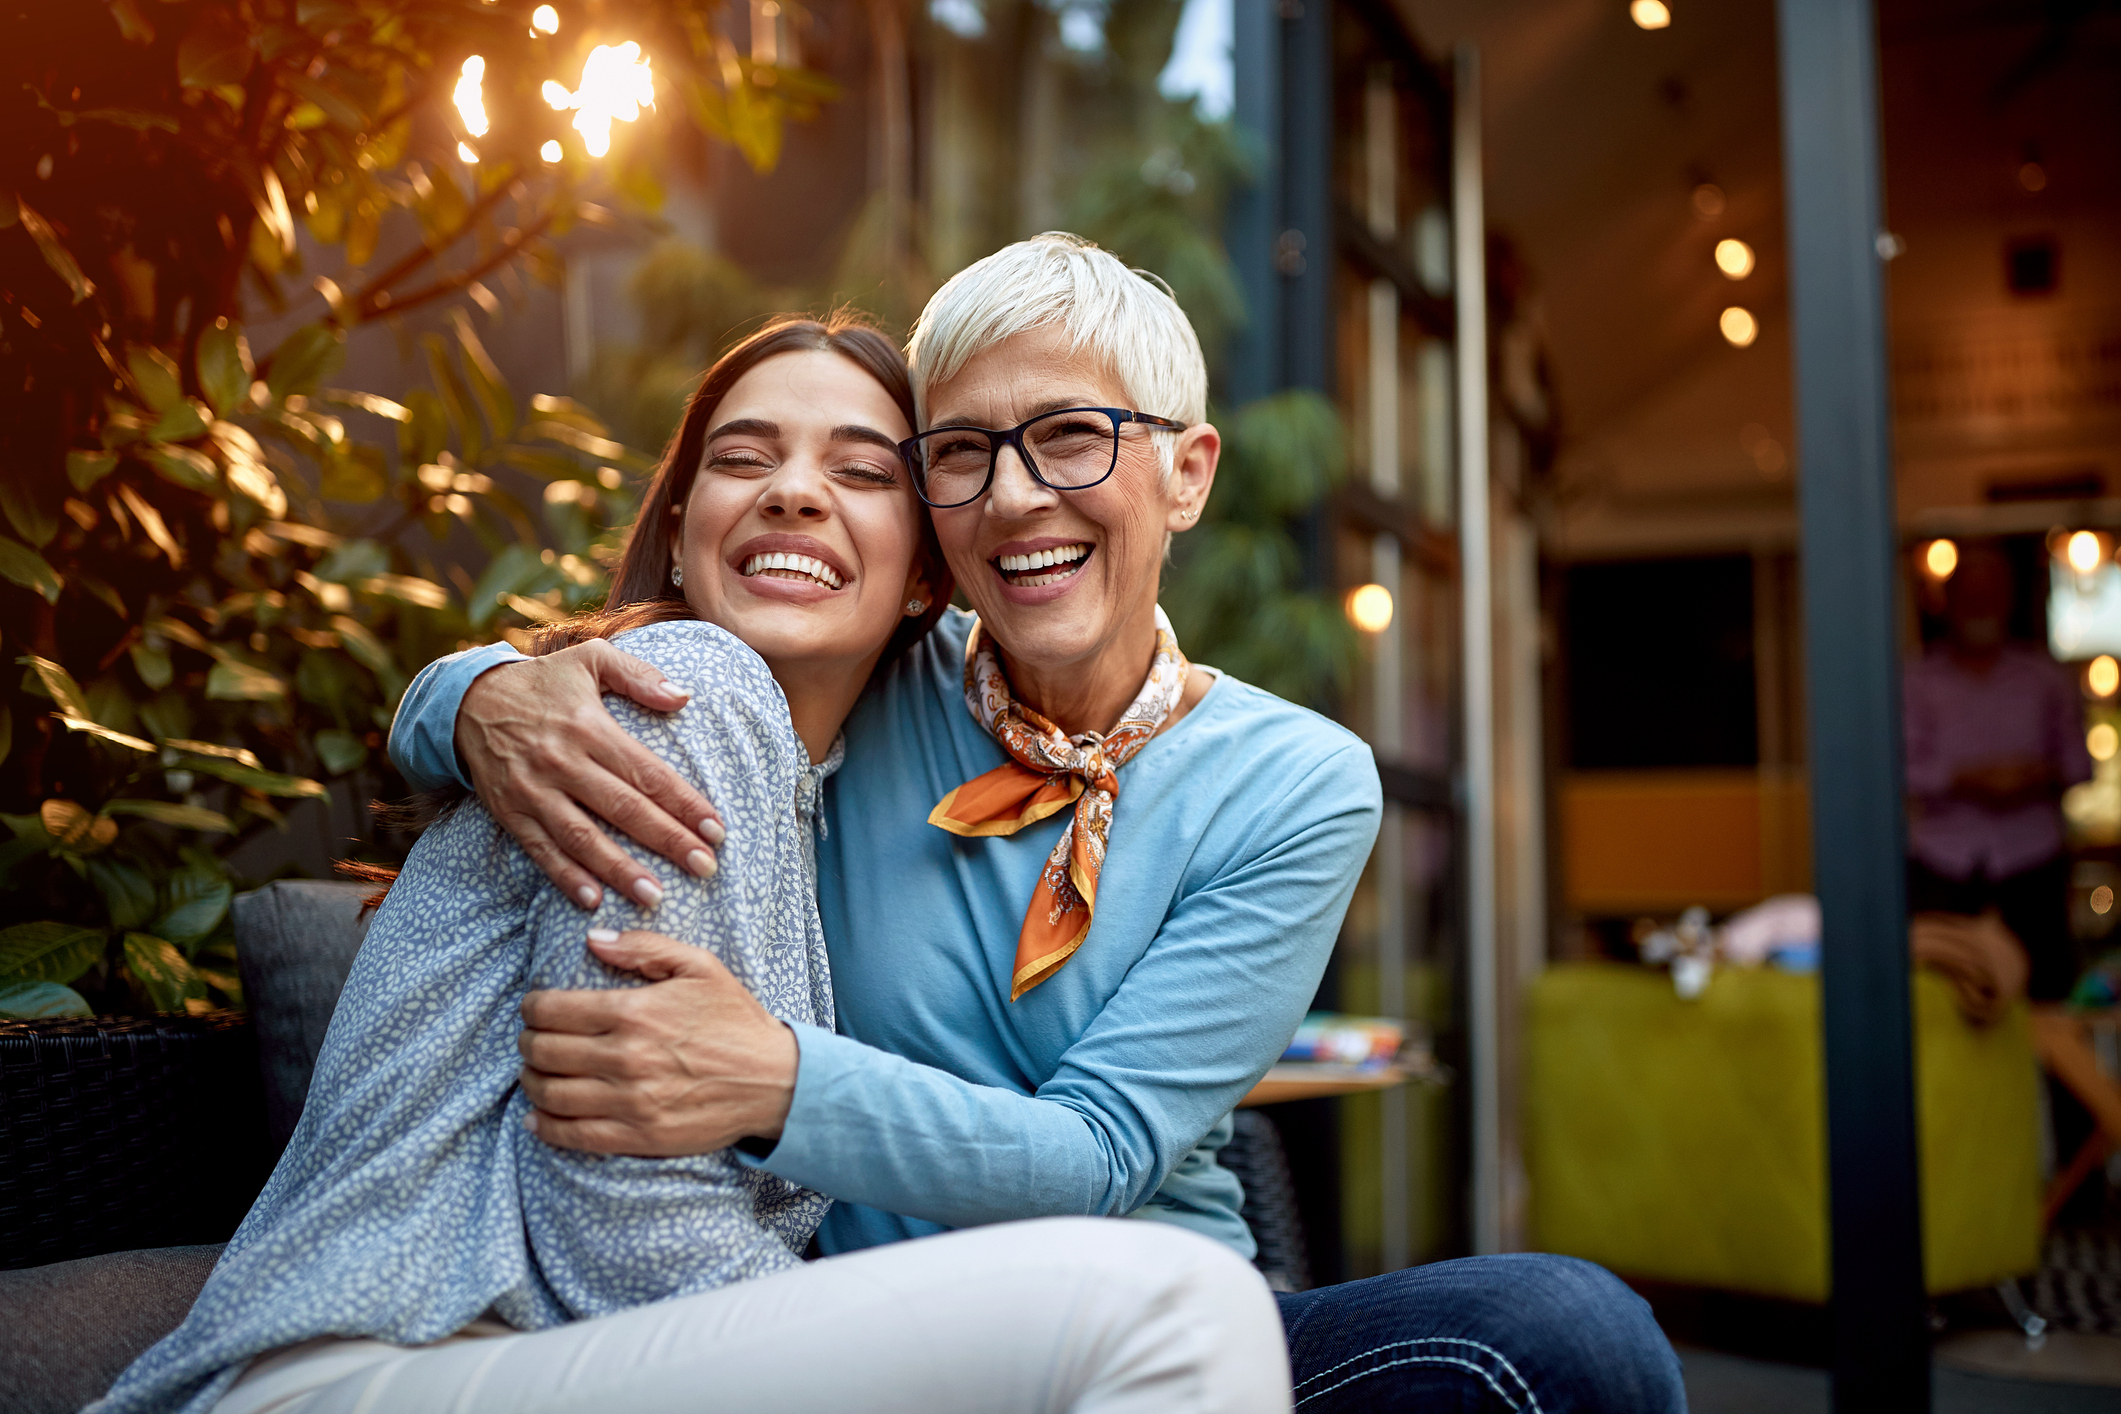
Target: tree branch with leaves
(205,631)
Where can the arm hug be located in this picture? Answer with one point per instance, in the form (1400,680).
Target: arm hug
(1194,1025)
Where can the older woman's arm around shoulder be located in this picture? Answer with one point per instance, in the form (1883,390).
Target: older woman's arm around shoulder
(550,761)
(1194,1025)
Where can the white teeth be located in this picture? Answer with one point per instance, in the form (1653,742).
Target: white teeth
(1043,559)
(803,565)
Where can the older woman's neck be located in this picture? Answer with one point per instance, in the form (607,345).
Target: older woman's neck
(1089,693)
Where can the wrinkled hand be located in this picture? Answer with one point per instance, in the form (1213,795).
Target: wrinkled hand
(546,757)
(686,1065)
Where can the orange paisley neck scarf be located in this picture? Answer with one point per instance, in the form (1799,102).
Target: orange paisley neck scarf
(1046,773)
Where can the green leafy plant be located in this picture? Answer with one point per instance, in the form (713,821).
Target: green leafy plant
(1236,592)
(218,570)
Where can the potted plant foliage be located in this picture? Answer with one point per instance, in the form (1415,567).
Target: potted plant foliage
(214,586)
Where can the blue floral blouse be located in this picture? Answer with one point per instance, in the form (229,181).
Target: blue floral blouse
(411,1199)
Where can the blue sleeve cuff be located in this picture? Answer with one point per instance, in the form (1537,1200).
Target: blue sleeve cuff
(423,735)
(807,1150)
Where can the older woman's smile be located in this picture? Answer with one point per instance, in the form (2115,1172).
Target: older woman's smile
(1035,564)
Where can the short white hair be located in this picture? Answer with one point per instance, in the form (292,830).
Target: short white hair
(1126,317)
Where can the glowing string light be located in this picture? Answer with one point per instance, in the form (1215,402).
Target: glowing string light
(471,103)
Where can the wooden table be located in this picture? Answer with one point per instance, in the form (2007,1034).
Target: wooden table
(1310,1080)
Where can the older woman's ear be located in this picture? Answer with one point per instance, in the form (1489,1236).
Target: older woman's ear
(1192,475)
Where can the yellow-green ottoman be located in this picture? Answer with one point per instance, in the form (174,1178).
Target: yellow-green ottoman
(1685,1141)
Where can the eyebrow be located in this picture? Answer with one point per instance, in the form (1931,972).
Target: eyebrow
(1038,409)
(760,427)
(746,427)
(855,432)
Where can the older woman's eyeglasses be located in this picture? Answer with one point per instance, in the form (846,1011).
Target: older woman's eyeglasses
(1068,450)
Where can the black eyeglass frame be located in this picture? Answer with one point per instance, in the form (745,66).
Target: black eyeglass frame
(1014,437)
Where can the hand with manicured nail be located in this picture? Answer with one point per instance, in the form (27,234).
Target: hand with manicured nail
(687,1066)
(536,739)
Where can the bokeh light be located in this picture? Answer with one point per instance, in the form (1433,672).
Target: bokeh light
(1940,559)
(2102,900)
(1370,608)
(2102,741)
(2084,552)
(1738,326)
(617,84)
(1734,258)
(467,153)
(2103,676)
(551,150)
(1650,14)
(545,20)
(471,103)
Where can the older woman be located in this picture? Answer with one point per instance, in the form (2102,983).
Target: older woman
(1077,893)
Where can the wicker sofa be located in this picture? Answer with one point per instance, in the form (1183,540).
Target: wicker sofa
(96,1265)
(130,1150)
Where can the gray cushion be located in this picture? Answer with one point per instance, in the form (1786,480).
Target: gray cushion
(69,1329)
(296,941)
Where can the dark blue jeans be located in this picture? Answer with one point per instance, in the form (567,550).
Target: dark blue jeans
(1526,1332)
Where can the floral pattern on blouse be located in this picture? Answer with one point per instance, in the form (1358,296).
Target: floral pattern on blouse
(411,1199)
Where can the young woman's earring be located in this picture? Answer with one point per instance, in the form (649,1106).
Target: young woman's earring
(677,576)
(1189,515)
(915,608)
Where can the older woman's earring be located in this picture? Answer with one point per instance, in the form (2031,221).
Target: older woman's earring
(1189,515)
(677,576)
(915,608)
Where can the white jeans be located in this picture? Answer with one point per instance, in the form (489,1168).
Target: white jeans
(1098,1316)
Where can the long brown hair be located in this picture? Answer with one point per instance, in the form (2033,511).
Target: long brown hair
(641,592)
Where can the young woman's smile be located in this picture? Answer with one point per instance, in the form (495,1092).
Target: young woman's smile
(800,527)
(799,568)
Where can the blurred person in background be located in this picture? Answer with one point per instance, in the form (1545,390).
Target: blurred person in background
(1995,734)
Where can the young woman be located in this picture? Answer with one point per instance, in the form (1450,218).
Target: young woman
(418,1247)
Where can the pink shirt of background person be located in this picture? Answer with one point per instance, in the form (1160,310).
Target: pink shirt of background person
(1995,733)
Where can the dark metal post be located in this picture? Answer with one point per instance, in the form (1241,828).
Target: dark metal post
(1305,247)
(1837,304)
(1255,214)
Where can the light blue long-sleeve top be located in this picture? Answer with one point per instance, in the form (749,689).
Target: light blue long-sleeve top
(1236,842)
